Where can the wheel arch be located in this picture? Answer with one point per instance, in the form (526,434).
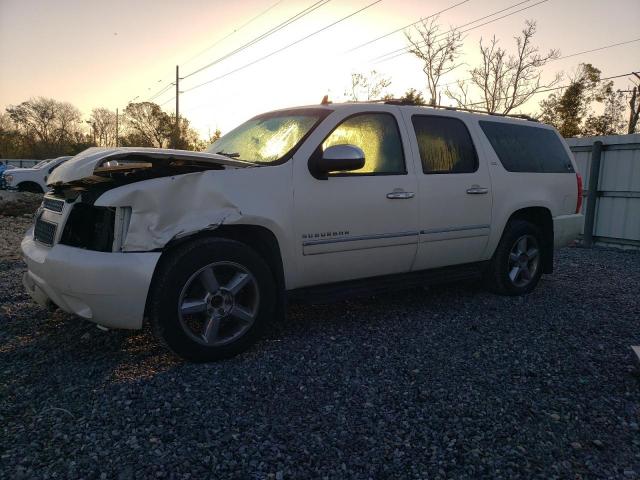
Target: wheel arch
(257,237)
(30,186)
(542,218)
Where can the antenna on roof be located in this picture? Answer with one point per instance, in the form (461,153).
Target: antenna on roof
(325,100)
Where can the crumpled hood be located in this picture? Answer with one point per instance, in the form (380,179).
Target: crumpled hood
(83,164)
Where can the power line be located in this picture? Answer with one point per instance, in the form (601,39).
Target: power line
(167,87)
(235,30)
(304,12)
(538,92)
(406,26)
(164,103)
(160,92)
(565,56)
(600,48)
(554,88)
(284,48)
(402,51)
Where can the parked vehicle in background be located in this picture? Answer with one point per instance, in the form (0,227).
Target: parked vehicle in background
(32,179)
(313,202)
(3,168)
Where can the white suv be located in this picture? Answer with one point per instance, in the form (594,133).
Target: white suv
(313,202)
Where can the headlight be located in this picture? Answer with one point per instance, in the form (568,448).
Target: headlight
(8,178)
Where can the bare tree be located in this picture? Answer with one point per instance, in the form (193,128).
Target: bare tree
(47,124)
(6,124)
(505,82)
(438,52)
(103,123)
(369,87)
(147,125)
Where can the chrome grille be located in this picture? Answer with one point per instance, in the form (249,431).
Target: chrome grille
(53,204)
(44,232)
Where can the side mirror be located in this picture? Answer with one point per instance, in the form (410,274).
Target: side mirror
(339,158)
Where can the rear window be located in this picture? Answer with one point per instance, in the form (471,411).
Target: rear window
(521,148)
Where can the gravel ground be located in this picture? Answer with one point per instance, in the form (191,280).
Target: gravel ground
(450,382)
(14,204)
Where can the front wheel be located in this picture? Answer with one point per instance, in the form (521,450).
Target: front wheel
(516,266)
(211,299)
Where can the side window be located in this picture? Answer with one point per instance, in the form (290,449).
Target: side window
(523,148)
(378,136)
(444,144)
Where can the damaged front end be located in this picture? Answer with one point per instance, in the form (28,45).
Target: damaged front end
(110,211)
(98,237)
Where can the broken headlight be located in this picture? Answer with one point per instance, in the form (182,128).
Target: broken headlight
(90,227)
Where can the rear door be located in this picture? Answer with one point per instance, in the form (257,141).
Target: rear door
(363,223)
(454,189)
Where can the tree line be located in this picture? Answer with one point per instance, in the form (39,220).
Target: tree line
(43,128)
(505,80)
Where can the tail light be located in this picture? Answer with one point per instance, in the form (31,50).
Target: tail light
(579,201)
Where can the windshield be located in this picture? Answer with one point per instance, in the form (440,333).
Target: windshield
(270,137)
(60,162)
(41,164)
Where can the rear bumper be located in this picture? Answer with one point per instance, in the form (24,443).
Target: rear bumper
(566,229)
(106,288)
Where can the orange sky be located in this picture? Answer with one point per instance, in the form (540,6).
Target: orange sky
(102,53)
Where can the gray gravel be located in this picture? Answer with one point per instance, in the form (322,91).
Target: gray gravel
(14,204)
(451,382)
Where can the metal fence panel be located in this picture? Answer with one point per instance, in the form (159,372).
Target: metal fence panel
(617,212)
(20,163)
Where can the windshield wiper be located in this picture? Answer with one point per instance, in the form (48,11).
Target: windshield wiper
(230,155)
(236,156)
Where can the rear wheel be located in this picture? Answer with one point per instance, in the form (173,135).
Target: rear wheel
(516,266)
(211,300)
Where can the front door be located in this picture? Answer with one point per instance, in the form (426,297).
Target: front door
(356,224)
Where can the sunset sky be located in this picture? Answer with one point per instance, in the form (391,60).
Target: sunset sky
(95,54)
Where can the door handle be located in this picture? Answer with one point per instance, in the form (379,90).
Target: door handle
(476,190)
(400,195)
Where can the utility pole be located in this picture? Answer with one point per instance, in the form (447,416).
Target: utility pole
(117,127)
(177,132)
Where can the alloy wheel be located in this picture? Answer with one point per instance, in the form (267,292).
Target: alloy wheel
(219,303)
(524,260)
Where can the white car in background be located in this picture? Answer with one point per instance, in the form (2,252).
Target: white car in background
(32,179)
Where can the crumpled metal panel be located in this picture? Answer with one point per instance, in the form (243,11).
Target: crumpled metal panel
(170,207)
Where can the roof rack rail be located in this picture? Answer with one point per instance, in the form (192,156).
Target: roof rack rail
(397,101)
(401,102)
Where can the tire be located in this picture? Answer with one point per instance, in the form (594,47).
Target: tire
(211,299)
(516,265)
(31,187)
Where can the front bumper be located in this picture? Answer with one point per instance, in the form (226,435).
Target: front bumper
(566,229)
(109,289)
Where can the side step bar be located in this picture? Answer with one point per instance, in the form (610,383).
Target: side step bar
(339,291)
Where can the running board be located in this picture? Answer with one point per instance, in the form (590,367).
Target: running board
(334,292)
